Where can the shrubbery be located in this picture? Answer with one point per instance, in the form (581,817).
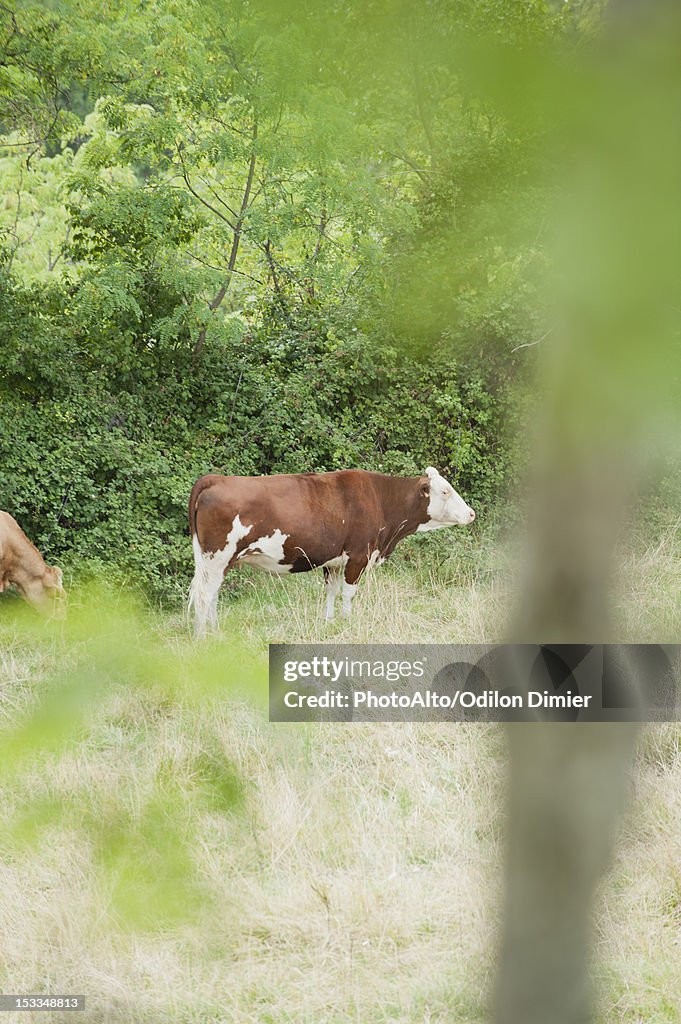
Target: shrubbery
(249,241)
(98,459)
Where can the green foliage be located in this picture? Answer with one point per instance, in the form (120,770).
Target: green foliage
(97,466)
(251,242)
(115,678)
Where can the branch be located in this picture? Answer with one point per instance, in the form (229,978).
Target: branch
(236,241)
(421,171)
(323,221)
(197,195)
(221,270)
(530,344)
(321,227)
(218,197)
(350,279)
(280,266)
(267,249)
(41,142)
(52,263)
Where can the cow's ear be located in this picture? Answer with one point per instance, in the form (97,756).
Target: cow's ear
(424,490)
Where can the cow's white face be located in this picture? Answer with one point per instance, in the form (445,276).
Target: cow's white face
(445,506)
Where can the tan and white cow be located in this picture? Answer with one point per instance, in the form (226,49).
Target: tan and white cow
(22,566)
(342,522)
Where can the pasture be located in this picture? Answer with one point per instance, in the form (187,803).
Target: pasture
(259,239)
(176,858)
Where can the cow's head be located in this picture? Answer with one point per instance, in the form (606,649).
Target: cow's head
(443,506)
(46,592)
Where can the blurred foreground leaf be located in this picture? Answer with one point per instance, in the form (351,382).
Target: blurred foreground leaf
(143,828)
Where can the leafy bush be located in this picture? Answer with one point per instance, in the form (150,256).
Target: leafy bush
(98,462)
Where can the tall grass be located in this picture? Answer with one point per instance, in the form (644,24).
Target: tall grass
(177,858)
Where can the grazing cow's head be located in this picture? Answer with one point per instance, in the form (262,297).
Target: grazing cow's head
(47,593)
(444,507)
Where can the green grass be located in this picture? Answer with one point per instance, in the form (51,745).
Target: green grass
(176,858)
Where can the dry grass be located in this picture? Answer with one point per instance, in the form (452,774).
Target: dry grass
(357,878)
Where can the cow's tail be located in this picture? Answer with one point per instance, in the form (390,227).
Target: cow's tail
(201,485)
(200,594)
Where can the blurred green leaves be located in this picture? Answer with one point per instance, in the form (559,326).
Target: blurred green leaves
(140,822)
(436,188)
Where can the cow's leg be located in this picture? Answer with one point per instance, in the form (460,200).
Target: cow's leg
(204,590)
(353,571)
(333,580)
(213,607)
(203,600)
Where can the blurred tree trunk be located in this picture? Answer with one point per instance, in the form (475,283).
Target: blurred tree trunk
(605,380)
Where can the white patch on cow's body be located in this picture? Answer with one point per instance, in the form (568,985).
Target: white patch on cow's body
(208,576)
(336,563)
(445,507)
(267,553)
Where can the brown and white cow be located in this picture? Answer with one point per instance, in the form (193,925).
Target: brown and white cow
(22,566)
(342,522)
